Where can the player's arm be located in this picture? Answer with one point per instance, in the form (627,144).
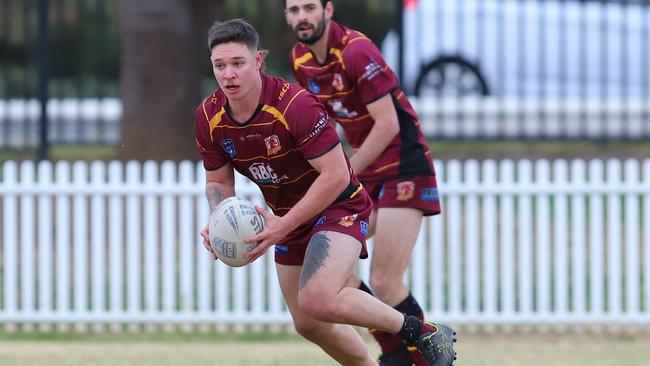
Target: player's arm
(219,185)
(382,133)
(334,177)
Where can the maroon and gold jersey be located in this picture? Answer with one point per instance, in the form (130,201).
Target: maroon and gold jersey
(354,75)
(273,147)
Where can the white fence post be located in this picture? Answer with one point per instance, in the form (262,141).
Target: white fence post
(516,243)
(98,238)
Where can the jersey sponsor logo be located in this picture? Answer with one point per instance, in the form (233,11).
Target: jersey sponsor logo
(337,82)
(272,145)
(429,194)
(281,248)
(283,91)
(249,137)
(363,227)
(320,221)
(347,221)
(405,190)
(262,173)
(318,127)
(371,70)
(229,147)
(340,110)
(313,86)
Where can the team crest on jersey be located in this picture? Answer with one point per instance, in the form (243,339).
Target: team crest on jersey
(229,147)
(272,145)
(313,86)
(405,190)
(337,82)
(348,221)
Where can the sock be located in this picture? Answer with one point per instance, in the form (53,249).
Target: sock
(411,329)
(410,306)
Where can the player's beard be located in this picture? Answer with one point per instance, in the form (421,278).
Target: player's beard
(318,33)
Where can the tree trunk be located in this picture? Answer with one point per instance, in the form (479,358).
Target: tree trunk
(163,54)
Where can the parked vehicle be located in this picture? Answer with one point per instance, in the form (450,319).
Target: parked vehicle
(523,48)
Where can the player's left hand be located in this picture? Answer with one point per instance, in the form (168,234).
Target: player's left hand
(274,231)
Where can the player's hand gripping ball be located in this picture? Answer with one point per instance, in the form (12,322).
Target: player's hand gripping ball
(231,223)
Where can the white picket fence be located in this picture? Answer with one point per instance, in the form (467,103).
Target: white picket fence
(518,243)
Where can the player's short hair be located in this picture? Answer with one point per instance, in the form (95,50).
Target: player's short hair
(323,2)
(234,30)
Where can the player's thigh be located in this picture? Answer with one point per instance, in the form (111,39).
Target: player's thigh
(288,277)
(330,260)
(304,324)
(395,235)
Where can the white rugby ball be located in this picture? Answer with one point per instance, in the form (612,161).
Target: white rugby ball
(233,221)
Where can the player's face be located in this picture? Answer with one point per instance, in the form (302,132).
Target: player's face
(307,18)
(236,68)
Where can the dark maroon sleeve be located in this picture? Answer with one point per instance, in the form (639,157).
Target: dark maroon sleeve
(309,124)
(366,65)
(213,156)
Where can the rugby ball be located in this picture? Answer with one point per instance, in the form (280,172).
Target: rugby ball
(233,221)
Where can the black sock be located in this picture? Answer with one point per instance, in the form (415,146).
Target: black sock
(363,287)
(410,306)
(411,329)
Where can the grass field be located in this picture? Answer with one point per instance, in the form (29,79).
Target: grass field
(290,350)
(444,150)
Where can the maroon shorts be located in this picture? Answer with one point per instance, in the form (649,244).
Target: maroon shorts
(349,217)
(419,192)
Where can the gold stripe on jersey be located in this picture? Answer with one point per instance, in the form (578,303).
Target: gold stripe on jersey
(264,157)
(385,167)
(328,96)
(388,166)
(291,101)
(359,188)
(302,59)
(339,55)
(277,114)
(215,120)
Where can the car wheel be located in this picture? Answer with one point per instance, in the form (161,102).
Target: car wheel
(450,77)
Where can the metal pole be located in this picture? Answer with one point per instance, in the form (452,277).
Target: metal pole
(43,45)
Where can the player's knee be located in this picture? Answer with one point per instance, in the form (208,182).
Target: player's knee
(383,285)
(308,328)
(317,305)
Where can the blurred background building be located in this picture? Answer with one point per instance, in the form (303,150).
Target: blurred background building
(489,69)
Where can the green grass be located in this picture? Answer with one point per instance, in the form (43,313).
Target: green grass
(290,350)
(66,152)
(444,150)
